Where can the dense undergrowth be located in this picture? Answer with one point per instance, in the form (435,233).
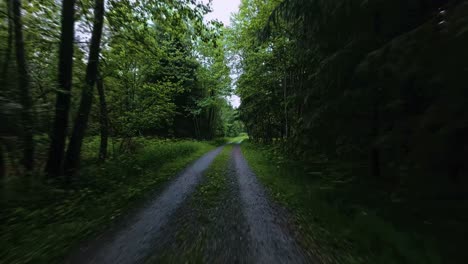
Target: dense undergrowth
(350,221)
(41,222)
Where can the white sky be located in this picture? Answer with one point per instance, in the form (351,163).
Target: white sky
(222,10)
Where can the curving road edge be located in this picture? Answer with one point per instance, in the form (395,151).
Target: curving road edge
(134,239)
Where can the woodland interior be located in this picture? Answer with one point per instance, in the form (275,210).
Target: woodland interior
(353,118)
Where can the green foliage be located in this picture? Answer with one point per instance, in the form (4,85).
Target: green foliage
(368,95)
(163,68)
(151,89)
(165,75)
(239,139)
(351,222)
(41,223)
(371,82)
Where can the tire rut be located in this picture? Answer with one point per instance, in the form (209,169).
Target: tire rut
(240,225)
(207,234)
(270,239)
(134,239)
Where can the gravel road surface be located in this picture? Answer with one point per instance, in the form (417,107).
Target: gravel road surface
(241,226)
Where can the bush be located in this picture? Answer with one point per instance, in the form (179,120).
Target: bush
(41,222)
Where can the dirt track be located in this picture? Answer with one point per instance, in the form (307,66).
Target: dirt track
(246,228)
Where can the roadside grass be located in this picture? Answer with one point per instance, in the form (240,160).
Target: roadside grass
(41,222)
(339,221)
(228,140)
(239,139)
(204,205)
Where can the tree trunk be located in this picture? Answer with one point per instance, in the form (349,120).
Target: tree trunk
(211,122)
(2,161)
(285,99)
(25,97)
(3,77)
(196,126)
(6,62)
(103,120)
(72,158)
(375,151)
(62,105)
(211,118)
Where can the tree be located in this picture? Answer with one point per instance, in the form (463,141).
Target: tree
(317,74)
(54,165)
(103,119)
(4,75)
(6,61)
(74,148)
(25,96)
(157,59)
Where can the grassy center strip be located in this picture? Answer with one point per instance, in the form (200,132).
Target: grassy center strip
(196,224)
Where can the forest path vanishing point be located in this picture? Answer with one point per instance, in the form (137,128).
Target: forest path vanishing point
(246,228)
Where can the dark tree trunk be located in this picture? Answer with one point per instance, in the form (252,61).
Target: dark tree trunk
(3,80)
(62,105)
(72,158)
(286,128)
(103,120)
(375,162)
(25,97)
(2,161)
(211,118)
(375,151)
(6,62)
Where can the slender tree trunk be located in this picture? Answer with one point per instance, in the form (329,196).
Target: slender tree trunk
(211,118)
(72,158)
(212,125)
(62,105)
(375,151)
(286,128)
(2,161)
(196,126)
(103,120)
(3,80)
(6,62)
(25,97)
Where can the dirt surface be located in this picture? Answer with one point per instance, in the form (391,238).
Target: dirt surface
(135,239)
(270,239)
(240,226)
(202,233)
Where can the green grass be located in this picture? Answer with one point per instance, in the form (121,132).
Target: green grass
(239,139)
(228,140)
(340,221)
(214,185)
(206,200)
(41,223)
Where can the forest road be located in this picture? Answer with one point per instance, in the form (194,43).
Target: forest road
(133,240)
(243,227)
(270,237)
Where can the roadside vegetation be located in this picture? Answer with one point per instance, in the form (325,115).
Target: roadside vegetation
(349,221)
(42,222)
(360,108)
(119,69)
(239,139)
(356,113)
(101,103)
